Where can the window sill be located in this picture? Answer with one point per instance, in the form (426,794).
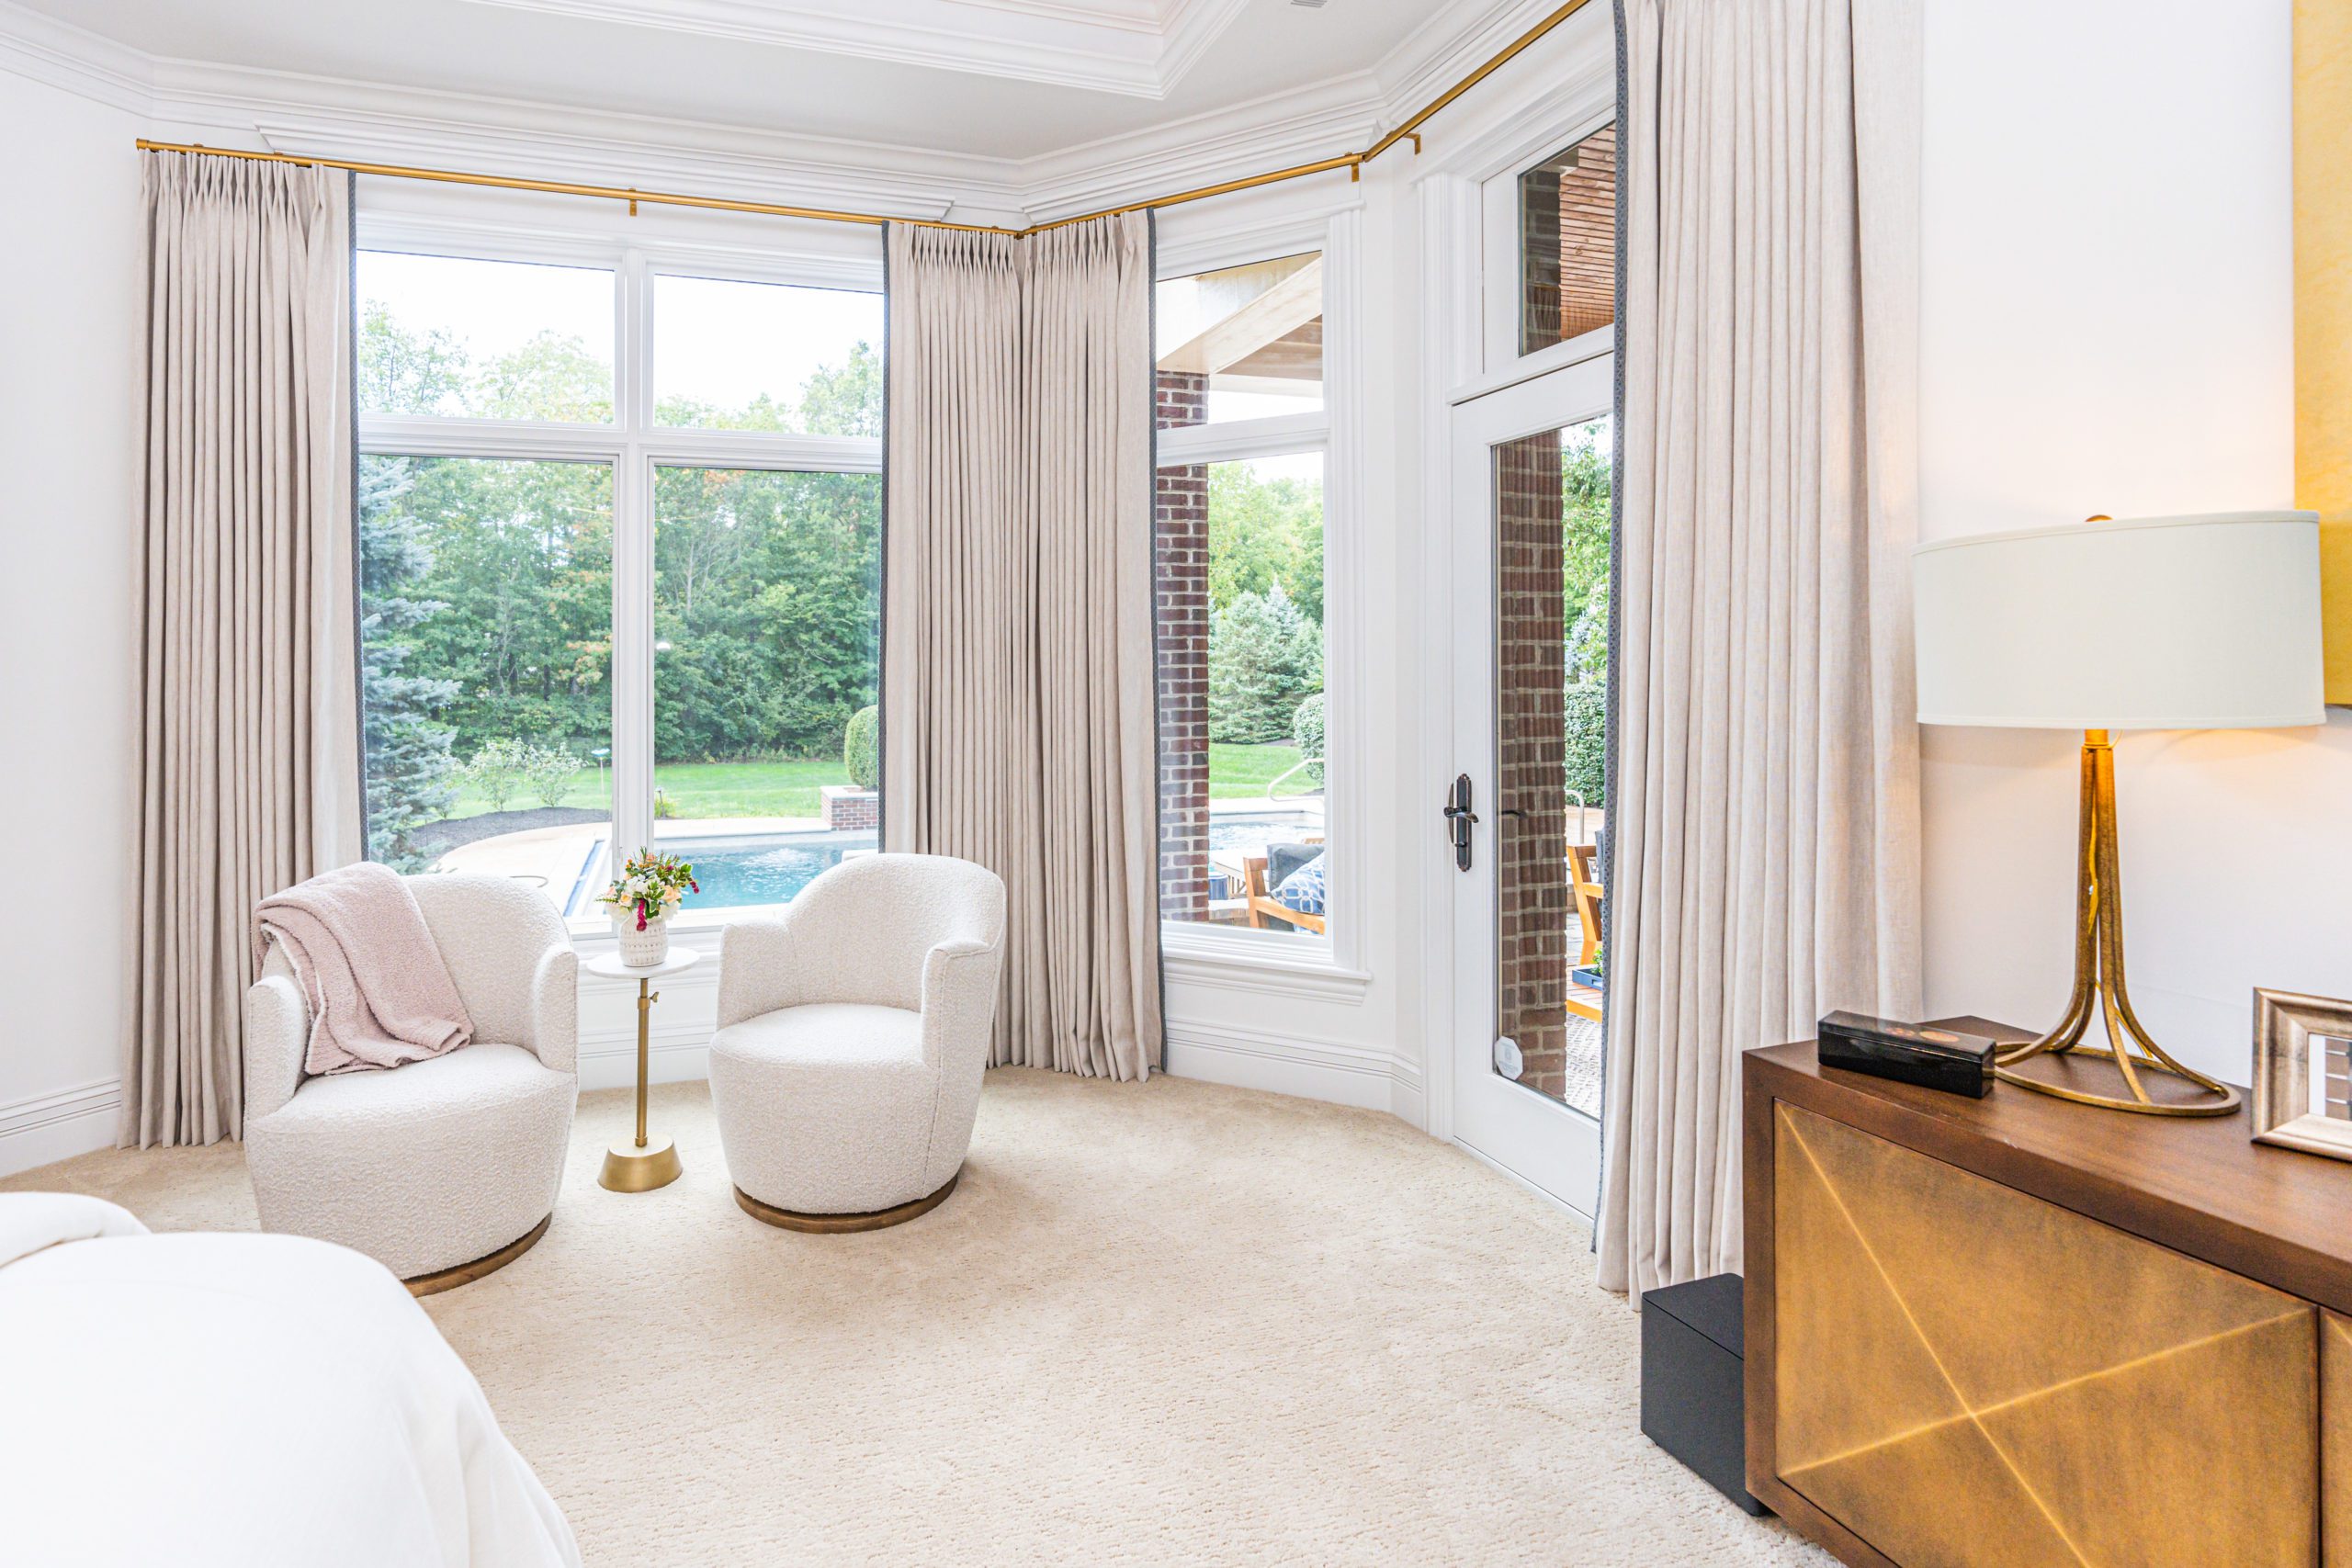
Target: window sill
(1229,961)
(697,929)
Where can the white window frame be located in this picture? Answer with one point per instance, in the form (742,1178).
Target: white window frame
(632,445)
(1301,963)
(1497,175)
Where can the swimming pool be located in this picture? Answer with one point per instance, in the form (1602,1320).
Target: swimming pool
(1235,829)
(734,871)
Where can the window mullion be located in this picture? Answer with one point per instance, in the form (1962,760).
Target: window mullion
(633,570)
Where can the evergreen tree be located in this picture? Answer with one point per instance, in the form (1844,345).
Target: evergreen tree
(1265,658)
(408,766)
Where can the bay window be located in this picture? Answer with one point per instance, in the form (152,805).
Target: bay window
(620,565)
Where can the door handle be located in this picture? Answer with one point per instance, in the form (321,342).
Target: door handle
(1459,820)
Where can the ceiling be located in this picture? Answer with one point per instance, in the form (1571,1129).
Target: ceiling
(1011,79)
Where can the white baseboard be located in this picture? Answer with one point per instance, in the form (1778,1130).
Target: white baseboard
(1331,1070)
(44,1128)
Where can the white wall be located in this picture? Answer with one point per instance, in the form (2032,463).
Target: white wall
(69,327)
(2107,326)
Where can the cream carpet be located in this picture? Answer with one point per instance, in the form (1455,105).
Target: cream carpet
(1161,1324)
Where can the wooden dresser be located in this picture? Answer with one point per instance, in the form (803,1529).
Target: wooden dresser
(2017,1331)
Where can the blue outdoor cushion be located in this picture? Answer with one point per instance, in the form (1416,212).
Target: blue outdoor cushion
(1303,889)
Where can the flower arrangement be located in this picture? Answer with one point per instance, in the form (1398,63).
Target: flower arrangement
(651,884)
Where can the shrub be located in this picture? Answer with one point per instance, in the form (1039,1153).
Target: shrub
(1587,717)
(1306,728)
(663,807)
(548,771)
(862,747)
(496,768)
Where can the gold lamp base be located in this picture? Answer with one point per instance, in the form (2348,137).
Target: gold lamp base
(2098,972)
(631,1169)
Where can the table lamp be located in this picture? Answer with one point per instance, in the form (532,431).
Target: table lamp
(2208,622)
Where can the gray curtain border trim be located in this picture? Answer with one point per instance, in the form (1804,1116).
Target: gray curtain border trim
(358,562)
(1616,586)
(882,583)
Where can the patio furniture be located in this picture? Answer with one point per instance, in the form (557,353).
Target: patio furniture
(853,1034)
(1264,876)
(444,1170)
(1584,878)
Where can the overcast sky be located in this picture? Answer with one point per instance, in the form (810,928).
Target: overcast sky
(720,343)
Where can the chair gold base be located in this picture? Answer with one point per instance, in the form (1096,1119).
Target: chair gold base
(466,1274)
(828,1224)
(2098,977)
(628,1169)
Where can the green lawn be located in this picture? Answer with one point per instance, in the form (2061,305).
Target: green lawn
(788,788)
(783,788)
(1242,773)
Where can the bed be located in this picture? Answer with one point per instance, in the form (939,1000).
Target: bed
(265,1400)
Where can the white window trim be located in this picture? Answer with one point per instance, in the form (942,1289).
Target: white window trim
(633,447)
(1327,967)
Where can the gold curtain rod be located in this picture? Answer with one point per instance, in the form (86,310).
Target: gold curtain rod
(1352,162)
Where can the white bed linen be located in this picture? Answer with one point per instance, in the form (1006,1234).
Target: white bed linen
(263,1401)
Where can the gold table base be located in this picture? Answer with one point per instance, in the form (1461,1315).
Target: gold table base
(628,1169)
(638,1166)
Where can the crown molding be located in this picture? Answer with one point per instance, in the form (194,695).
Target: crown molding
(55,53)
(329,117)
(370,122)
(1137,48)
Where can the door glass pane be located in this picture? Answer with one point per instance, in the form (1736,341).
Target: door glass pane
(486,639)
(735,355)
(1551,685)
(483,339)
(1241,342)
(1568,236)
(1238,585)
(766,676)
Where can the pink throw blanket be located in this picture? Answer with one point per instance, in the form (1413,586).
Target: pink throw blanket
(379,992)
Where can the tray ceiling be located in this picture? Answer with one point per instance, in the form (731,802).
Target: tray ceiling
(1142,47)
(1003,79)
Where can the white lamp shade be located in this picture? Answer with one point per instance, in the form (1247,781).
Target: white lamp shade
(2208,622)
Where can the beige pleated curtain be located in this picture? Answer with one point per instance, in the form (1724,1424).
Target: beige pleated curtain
(1017,623)
(248,756)
(1766,863)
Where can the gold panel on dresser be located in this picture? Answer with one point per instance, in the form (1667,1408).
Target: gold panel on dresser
(1966,1374)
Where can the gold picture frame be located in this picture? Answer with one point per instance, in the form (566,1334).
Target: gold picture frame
(2302,1073)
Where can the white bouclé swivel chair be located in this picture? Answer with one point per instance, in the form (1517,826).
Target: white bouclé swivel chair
(446,1169)
(854,1033)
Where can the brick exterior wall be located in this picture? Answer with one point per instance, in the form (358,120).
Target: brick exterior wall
(846,808)
(1181,598)
(1534,907)
(1567,219)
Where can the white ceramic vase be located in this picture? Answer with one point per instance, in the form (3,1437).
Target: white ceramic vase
(643,949)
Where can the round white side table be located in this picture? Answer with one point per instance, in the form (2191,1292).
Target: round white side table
(641,1167)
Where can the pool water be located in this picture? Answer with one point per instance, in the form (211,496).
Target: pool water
(764,868)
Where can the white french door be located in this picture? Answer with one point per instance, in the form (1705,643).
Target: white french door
(1526,1037)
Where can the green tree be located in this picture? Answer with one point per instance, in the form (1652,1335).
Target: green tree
(1584,553)
(1588,742)
(1265,657)
(1265,531)
(845,400)
(552,377)
(407,766)
(400,372)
